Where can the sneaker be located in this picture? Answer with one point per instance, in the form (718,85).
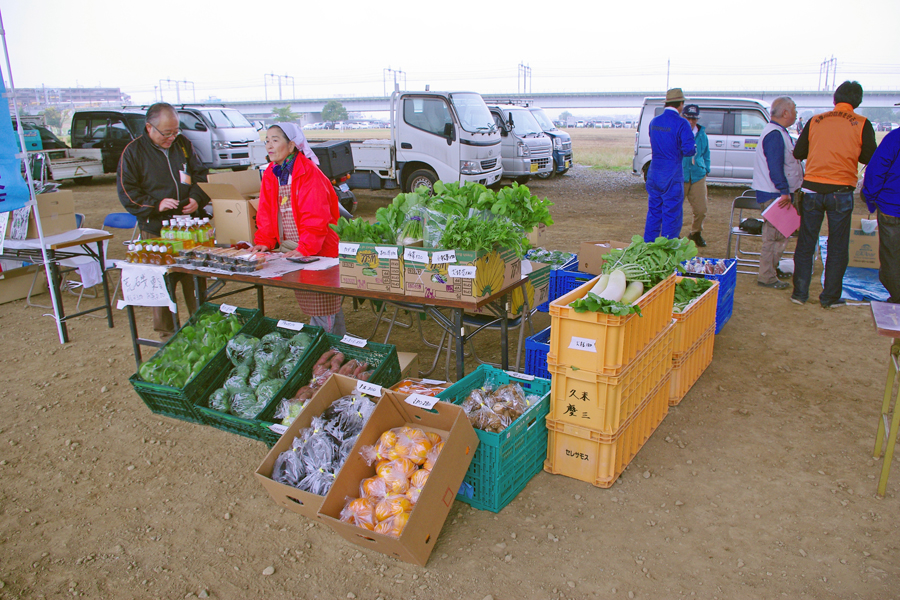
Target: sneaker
(775,285)
(697,239)
(834,304)
(798,301)
(782,275)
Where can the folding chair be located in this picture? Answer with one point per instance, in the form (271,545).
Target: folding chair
(416,312)
(66,284)
(744,207)
(492,323)
(123,221)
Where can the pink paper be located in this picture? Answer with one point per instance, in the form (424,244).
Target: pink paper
(786,220)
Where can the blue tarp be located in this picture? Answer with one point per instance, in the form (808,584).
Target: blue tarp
(859,284)
(13,189)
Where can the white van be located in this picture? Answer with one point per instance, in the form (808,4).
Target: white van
(525,149)
(223,137)
(732,125)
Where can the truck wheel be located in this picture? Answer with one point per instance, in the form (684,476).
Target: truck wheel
(646,169)
(548,175)
(523,179)
(244,168)
(421,177)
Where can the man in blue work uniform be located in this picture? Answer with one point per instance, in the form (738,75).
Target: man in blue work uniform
(670,141)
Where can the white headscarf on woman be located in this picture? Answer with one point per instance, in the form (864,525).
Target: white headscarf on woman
(295,134)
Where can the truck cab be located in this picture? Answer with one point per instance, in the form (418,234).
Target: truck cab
(562,144)
(525,149)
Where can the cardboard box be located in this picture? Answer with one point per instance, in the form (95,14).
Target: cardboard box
(294,500)
(427,518)
(536,289)
(371,267)
(537,236)
(489,272)
(409,363)
(15,283)
(235,198)
(247,182)
(863,246)
(57,211)
(590,255)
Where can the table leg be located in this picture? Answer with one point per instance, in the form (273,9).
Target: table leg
(170,287)
(886,403)
(889,451)
(200,290)
(56,281)
(460,343)
(260,300)
(504,333)
(129,310)
(109,314)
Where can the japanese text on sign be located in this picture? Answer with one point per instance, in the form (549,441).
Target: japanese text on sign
(443,257)
(293,326)
(580,455)
(413,255)
(364,387)
(144,287)
(354,341)
(387,252)
(462,272)
(584,344)
(521,376)
(227,309)
(348,249)
(421,401)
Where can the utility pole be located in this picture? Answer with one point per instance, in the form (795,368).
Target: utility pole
(668,66)
(273,76)
(396,73)
(828,66)
(177,88)
(524,73)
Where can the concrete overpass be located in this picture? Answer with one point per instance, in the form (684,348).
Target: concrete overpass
(806,100)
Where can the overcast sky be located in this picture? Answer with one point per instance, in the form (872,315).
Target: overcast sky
(226,47)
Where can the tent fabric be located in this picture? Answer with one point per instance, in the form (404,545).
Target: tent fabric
(13,189)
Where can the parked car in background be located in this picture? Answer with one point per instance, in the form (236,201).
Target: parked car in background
(562,144)
(579,124)
(524,147)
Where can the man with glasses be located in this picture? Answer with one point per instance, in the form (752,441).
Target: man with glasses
(158,178)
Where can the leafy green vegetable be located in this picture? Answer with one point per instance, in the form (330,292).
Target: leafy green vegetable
(650,262)
(593,302)
(476,233)
(687,290)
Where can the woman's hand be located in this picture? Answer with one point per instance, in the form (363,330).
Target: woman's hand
(293,253)
(259,248)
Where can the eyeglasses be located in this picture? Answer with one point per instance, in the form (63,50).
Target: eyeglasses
(166,135)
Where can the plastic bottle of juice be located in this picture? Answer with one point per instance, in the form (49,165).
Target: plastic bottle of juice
(129,255)
(203,232)
(166,230)
(210,233)
(153,255)
(168,254)
(140,254)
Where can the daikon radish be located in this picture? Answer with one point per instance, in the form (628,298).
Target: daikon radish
(616,286)
(632,292)
(600,285)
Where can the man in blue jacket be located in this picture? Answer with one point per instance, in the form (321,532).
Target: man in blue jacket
(696,168)
(670,141)
(881,191)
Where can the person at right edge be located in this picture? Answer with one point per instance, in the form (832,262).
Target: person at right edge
(670,141)
(881,192)
(776,176)
(832,144)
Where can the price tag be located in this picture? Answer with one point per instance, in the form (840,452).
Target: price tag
(387,252)
(227,309)
(521,376)
(282,324)
(364,387)
(415,255)
(443,257)
(348,249)
(278,428)
(354,341)
(462,272)
(584,344)
(433,381)
(422,401)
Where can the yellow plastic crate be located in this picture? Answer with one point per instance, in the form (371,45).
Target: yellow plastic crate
(688,368)
(692,324)
(598,458)
(606,344)
(604,403)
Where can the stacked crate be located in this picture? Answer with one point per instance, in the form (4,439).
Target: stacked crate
(695,334)
(609,383)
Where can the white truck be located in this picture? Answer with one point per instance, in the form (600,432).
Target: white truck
(447,136)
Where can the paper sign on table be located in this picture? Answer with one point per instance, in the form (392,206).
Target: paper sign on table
(293,326)
(346,248)
(354,341)
(443,257)
(413,255)
(227,309)
(144,285)
(462,272)
(387,252)
(371,389)
(785,220)
(421,401)
(584,344)
(521,376)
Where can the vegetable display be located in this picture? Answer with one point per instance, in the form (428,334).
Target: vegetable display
(476,233)
(194,345)
(611,295)
(649,262)
(495,410)
(703,266)
(687,291)
(554,258)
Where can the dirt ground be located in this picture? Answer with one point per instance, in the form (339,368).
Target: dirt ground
(760,484)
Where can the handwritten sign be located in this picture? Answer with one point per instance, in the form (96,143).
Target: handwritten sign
(387,252)
(462,272)
(443,257)
(278,428)
(354,341)
(420,401)
(583,344)
(370,389)
(282,324)
(227,309)
(433,381)
(414,255)
(144,286)
(348,249)
(521,376)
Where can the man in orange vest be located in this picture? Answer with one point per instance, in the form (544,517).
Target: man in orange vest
(832,144)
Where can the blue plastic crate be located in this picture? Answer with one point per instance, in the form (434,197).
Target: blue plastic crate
(727,283)
(566,281)
(572,265)
(536,349)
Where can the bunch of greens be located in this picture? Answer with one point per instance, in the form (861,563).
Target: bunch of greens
(687,290)
(453,199)
(476,233)
(361,231)
(594,303)
(554,258)
(650,262)
(194,345)
(516,202)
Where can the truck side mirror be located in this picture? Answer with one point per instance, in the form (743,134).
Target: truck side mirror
(509,123)
(449,133)
(200,127)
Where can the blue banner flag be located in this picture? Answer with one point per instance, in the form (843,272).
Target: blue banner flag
(13,189)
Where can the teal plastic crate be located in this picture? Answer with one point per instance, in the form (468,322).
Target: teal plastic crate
(505,462)
(179,403)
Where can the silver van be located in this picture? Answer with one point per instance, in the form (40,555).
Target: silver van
(525,149)
(732,125)
(222,136)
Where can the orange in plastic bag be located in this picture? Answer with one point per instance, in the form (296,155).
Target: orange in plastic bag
(392,505)
(413,444)
(404,465)
(374,488)
(393,526)
(360,512)
(394,476)
(434,438)
(417,484)
(432,456)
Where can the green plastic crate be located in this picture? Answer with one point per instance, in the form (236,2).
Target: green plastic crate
(178,403)
(253,428)
(505,462)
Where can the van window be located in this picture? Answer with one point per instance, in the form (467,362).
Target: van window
(428,114)
(188,122)
(79,132)
(96,132)
(749,122)
(713,120)
(226,118)
(118,131)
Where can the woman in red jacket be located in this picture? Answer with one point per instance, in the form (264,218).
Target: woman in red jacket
(297,203)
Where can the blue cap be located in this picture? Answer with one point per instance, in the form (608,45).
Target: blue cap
(691,111)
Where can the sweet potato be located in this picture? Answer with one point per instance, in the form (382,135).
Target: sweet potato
(320,369)
(360,369)
(337,362)
(305,391)
(365,376)
(349,367)
(325,358)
